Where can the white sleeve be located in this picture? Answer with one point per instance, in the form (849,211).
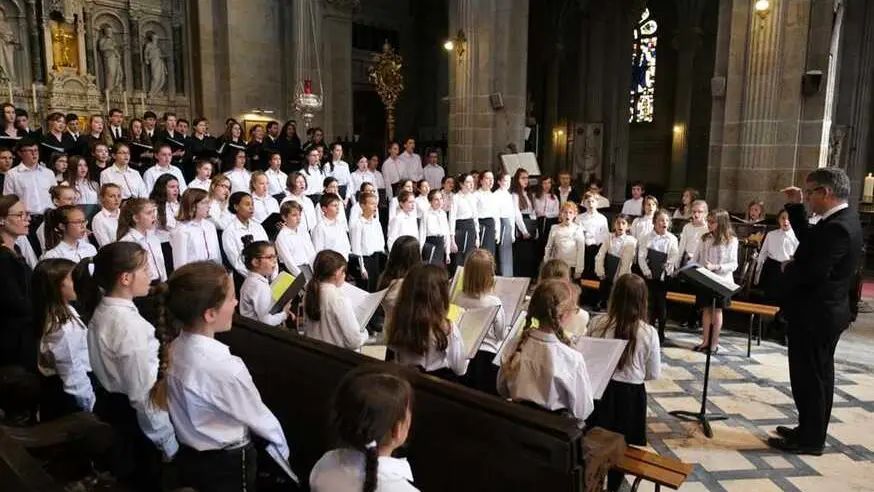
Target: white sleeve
(149,180)
(140,190)
(642,251)
(730,264)
(9,185)
(654,360)
(233,253)
(262,302)
(580,240)
(601,258)
(520,222)
(394,227)
(101,233)
(354,335)
(763,256)
(673,256)
(286,255)
(240,399)
(71,362)
(179,245)
(626,257)
(318,236)
(453,215)
(547,251)
(581,403)
(455,353)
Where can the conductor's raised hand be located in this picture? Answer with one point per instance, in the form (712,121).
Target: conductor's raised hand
(793,194)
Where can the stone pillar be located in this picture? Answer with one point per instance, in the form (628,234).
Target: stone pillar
(337,68)
(136,56)
(90,64)
(36,58)
(686,41)
(494,62)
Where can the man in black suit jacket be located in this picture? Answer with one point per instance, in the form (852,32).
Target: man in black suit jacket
(815,302)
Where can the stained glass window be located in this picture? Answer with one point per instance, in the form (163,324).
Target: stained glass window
(643,70)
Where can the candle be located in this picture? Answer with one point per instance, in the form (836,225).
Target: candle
(124,97)
(33,89)
(11,97)
(107,102)
(868,189)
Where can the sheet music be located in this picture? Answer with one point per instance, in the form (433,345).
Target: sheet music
(611,265)
(280,284)
(363,303)
(514,334)
(456,283)
(602,356)
(375,351)
(528,162)
(473,326)
(282,462)
(511,163)
(511,291)
(728,284)
(284,289)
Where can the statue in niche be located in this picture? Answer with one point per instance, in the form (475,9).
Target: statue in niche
(112,68)
(7,49)
(153,57)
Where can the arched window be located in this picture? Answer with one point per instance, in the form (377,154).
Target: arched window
(643,70)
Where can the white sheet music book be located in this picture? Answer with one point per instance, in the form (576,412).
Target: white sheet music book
(528,162)
(474,324)
(510,162)
(282,462)
(374,351)
(602,356)
(727,284)
(514,334)
(363,303)
(511,291)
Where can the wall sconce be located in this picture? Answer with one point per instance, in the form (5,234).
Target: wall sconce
(457,44)
(762,8)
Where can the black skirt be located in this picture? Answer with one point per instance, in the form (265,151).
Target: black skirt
(434,251)
(505,249)
(220,470)
(589,266)
(487,231)
(622,409)
(465,239)
(444,373)
(525,258)
(54,402)
(769,279)
(482,374)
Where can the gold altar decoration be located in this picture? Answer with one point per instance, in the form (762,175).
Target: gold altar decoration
(385,75)
(65,49)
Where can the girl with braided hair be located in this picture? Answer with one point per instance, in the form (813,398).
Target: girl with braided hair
(542,369)
(371,414)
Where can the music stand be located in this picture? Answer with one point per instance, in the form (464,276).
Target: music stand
(708,282)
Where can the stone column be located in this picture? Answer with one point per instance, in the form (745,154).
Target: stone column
(494,62)
(36,57)
(686,41)
(337,68)
(90,64)
(136,56)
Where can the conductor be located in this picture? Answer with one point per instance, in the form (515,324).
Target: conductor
(815,299)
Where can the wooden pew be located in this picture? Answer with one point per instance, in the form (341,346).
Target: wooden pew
(461,439)
(659,470)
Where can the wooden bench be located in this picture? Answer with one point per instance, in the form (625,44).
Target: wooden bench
(756,312)
(461,439)
(659,470)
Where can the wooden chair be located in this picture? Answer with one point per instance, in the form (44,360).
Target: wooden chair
(661,471)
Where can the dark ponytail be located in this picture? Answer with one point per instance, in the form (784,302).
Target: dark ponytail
(165,333)
(93,277)
(253,249)
(326,264)
(371,466)
(55,218)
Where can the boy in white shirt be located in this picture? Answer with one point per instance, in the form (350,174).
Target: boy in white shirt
(634,205)
(330,233)
(128,179)
(433,171)
(163,157)
(104,225)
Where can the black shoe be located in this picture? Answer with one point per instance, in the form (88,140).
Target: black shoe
(793,447)
(786,432)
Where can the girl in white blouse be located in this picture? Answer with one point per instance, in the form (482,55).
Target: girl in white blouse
(63,348)
(546,207)
(219,192)
(209,393)
(594,223)
(423,188)
(256,298)
(338,169)
(778,248)
(478,291)
(684,211)
(361,175)
(448,187)
(717,253)
(297,185)
(104,225)
(404,223)
(615,256)
(195,237)
(464,220)
(384,191)
(329,316)
(421,335)
(489,212)
(690,237)
(136,223)
(331,186)
(366,462)
(525,258)
(241,226)
(658,256)
(293,243)
(643,225)
(541,368)
(622,408)
(67,234)
(276,179)
(567,241)
(507,212)
(165,195)
(403,256)
(355,210)
(368,242)
(394,203)
(434,231)
(264,203)
(79,176)
(203,178)
(239,175)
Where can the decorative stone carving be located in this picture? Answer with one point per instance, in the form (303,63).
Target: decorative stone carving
(8,45)
(113,69)
(154,59)
(67,91)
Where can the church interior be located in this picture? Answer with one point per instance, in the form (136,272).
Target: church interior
(724,101)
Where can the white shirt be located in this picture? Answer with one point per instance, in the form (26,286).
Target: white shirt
(522,214)
(622,247)
(232,242)
(123,352)
(641,226)
(331,234)
(422,205)
(379,182)
(342,470)
(500,326)
(87,192)
(546,206)
(150,177)
(263,207)
(828,213)
(633,206)
(213,401)
(341,217)
(723,255)
(567,243)
(65,352)
(646,360)
(690,239)
(219,215)
(435,223)
(171,210)
(83,249)
(200,184)
(454,357)
(665,243)
(366,237)
(594,225)
(240,179)
(393,170)
(463,207)
(402,224)
(357,179)
(308,219)
(412,165)
(294,248)
(31,185)
(340,172)
(152,245)
(779,246)
(550,374)
(434,175)
(337,324)
(256,299)
(563,194)
(488,207)
(129,180)
(315,180)
(26,251)
(195,240)
(276,181)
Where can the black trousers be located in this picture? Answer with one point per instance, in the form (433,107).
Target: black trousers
(812,375)
(658,293)
(222,470)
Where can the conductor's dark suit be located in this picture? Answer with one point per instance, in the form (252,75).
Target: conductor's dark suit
(815,301)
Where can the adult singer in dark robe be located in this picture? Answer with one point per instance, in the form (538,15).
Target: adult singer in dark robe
(814,296)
